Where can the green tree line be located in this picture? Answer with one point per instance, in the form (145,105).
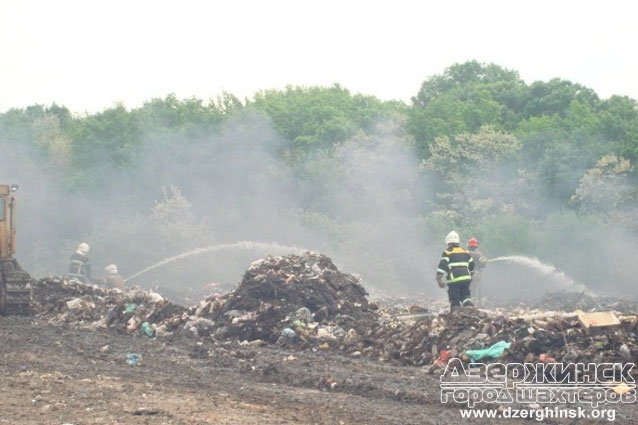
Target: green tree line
(529,169)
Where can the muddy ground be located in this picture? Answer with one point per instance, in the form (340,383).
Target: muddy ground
(56,373)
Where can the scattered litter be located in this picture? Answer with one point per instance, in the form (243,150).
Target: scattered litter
(133,359)
(305,302)
(598,319)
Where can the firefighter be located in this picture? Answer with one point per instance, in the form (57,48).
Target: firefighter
(480,261)
(455,270)
(113,279)
(80,267)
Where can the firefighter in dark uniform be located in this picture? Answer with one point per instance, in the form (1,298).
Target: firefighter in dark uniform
(80,266)
(455,270)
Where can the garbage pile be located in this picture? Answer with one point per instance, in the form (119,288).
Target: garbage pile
(59,300)
(305,302)
(294,297)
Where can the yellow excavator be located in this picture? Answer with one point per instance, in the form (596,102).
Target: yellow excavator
(15,283)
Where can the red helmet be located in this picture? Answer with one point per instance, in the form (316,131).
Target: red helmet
(472,243)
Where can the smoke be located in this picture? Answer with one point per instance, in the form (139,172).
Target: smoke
(216,188)
(37,226)
(372,189)
(192,192)
(360,206)
(212,201)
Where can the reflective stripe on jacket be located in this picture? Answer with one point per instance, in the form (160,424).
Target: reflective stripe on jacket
(456,264)
(80,267)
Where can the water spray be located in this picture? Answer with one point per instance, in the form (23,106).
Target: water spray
(547,270)
(237,246)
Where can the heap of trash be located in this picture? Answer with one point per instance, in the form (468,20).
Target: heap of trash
(293,297)
(304,302)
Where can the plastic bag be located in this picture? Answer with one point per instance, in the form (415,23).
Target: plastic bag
(494,351)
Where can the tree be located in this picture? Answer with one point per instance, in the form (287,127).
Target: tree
(618,117)
(477,172)
(462,100)
(459,78)
(557,149)
(53,141)
(555,97)
(318,117)
(608,189)
(371,174)
(172,115)
(34,141)
(101,144)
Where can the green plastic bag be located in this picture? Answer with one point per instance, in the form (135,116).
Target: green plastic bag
(147,329)
(494,351)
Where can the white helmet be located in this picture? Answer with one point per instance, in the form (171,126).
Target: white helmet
(452,237)
(111,269)
(83,248)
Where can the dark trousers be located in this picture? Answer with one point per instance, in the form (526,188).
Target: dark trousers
(459,294)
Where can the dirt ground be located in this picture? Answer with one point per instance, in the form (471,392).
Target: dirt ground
(56,373)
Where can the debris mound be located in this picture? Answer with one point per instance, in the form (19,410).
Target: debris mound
(292,282)
(277,291)
(57,299)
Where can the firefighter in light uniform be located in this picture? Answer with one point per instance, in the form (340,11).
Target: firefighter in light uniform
(455,270)
(113,280)
(480,261)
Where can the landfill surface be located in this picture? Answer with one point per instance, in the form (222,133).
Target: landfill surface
(297,341)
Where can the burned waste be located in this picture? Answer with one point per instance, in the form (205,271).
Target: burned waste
(304,302)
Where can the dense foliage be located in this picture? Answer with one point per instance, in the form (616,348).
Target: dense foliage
(530,169)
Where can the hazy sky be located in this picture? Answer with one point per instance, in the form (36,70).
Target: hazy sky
(89,55)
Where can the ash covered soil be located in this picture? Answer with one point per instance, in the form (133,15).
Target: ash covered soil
(297,342)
